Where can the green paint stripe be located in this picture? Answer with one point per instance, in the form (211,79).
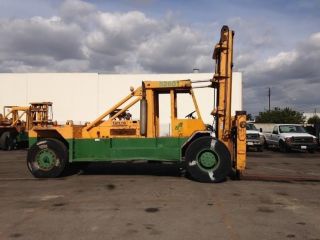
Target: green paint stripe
(165,149)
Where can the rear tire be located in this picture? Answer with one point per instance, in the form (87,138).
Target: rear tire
(208,160)
(47,158)
(8,142)
(2,141)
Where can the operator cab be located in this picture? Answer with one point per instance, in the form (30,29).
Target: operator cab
(179,126)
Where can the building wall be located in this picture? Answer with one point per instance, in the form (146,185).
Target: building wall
(310,115)
(84,96)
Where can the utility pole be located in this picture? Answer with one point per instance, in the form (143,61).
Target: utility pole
(269,96)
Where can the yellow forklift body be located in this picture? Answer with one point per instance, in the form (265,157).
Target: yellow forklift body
(209,156)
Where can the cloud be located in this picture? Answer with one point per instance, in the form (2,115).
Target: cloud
(82,38)
(294,78)
(36,42)
(76,9)
(100,41)
(179,49)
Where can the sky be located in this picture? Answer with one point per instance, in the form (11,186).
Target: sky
(277,42)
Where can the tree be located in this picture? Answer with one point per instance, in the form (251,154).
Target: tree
(314,120)
(249,117)
(278,115)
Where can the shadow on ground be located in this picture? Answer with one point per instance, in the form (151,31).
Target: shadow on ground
(140,168)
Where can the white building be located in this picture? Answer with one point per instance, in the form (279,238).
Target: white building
(310,115)
(82,97)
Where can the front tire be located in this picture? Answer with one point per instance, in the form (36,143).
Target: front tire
(283,147)
(208,160)
(47,158)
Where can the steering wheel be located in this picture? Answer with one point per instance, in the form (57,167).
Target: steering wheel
(190,115)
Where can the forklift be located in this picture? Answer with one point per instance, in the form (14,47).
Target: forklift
(207,156)
(16,121)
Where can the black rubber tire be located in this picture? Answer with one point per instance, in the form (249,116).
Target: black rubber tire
(220,172)
(311,150)
(283,147)
(60,151)
(8,141)
(2,140)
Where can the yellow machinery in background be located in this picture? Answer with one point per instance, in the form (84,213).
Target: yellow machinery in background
(16,121)
(208,156)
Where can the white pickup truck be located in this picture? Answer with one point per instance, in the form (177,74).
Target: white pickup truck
(255,138)
(290,136)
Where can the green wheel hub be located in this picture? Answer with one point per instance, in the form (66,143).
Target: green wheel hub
(207,159)
(46,159)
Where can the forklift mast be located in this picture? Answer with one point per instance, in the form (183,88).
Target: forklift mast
(222,80)
(230,130)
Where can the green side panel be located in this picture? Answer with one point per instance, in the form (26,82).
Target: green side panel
(162,149)
(71,149)
(32,141)
(165,149)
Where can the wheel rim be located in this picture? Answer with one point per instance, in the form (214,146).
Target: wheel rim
(46,159)
(207,160)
